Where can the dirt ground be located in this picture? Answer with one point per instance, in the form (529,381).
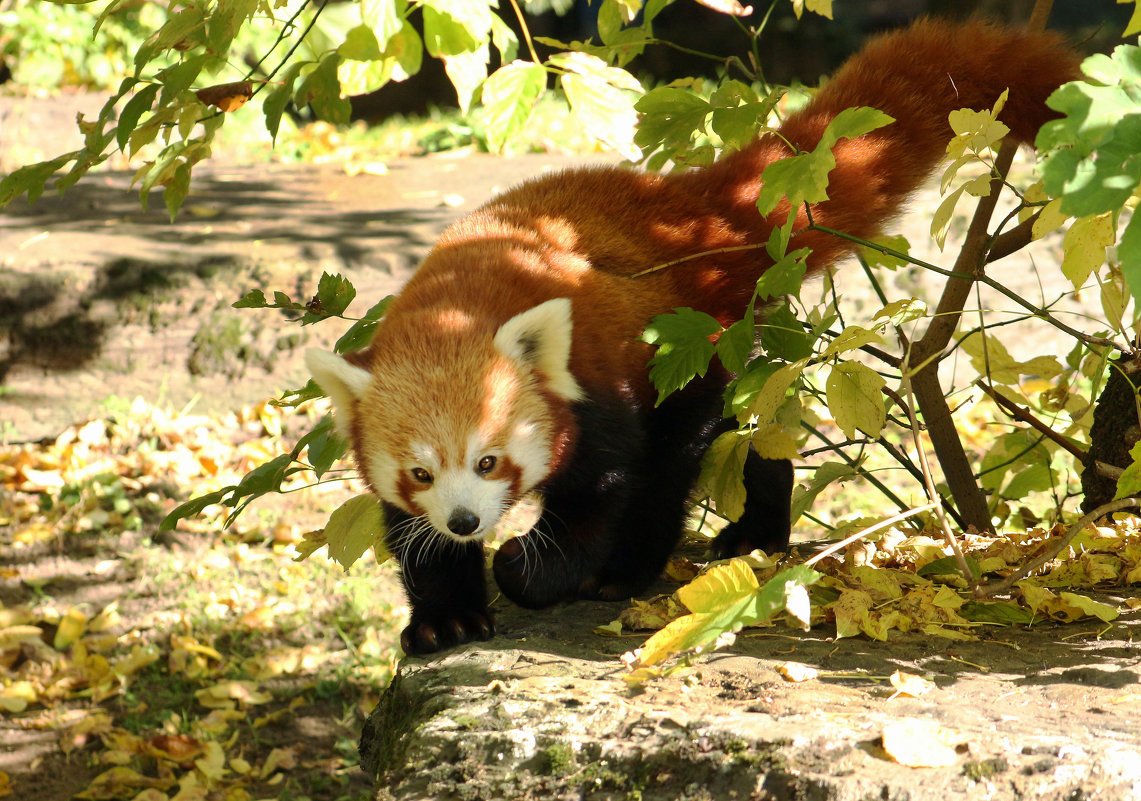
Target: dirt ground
(100,302)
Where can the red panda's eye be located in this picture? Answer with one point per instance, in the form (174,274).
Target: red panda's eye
(486,464)
(421,475)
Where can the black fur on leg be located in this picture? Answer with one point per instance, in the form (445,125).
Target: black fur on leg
(679,432)
(766,522)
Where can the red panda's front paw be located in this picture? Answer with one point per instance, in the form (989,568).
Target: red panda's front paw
(424,637)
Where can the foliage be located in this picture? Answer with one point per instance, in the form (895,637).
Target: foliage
(49,45)
(902,583)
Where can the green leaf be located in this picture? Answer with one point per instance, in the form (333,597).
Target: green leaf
(1129,483)
(274,104)
(1002,612)
(783,278)
(467,71)
(383,18)
(1095,163)
(736,343)
(722,468)
(1129,252)
(178,78)
(504,39)
(255,299)
(362,331)
(949,566)
(509,97)
(772,395)
(824,476)
(176,188)
(727,598)
(684,349)
(354,527)
(804,178)
(321,90)
(747,385)
(669,120)
(295,397)
(334,294)
(194,507)
(360,45)
(136,106)
(783,336)
(607,113)
(263,478)
(452,27)
(738,115)
(855,399)
(31,179)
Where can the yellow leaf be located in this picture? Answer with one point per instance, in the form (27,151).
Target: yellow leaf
(139,658)
(880,584)
(918,744)
(910,685)
(16,696)
(1049,219)
(71,627)
(611,629)
(850,610)
(222,695)
(710,592)
(120,782)
(1088,606)
(353,528)
(1133,27)
(14,636)
(771,396)
(855,399)
(774,441)
(279,759)
(1084,246)
(797,672)
(213,764)
(5,784)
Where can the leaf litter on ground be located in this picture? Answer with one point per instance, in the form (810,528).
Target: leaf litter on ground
(198,666)
(899,583)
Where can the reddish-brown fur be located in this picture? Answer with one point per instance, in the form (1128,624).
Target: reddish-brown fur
(579,234)
(615,469)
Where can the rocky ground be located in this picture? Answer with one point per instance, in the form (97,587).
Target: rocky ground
(101,301)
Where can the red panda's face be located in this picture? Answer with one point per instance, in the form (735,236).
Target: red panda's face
(454,421)
(457,444)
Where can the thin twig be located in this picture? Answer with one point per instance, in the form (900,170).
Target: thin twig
(526,31)
(928,481)
(891,521)
(1023,415)
(999,587)
(701,255)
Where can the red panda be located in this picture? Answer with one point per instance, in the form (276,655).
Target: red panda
(512,359)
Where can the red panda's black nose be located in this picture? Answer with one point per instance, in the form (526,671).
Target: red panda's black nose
(463,523)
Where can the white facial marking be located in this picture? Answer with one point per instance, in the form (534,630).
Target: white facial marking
(529,450)
(459,488)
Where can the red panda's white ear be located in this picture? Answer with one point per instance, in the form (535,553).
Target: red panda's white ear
(341,381)
(541,337)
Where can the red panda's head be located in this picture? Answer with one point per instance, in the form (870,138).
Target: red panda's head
(452,419)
